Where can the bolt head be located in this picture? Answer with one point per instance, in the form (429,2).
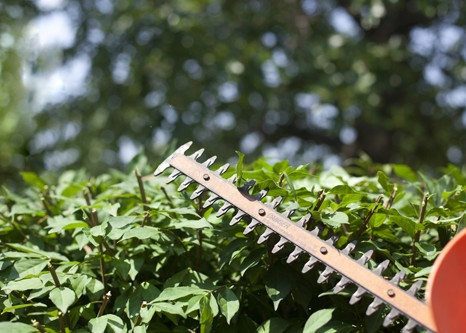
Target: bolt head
(323,250)
(261,212)
(206,176)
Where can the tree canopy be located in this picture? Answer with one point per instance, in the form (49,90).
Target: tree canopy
(90,83)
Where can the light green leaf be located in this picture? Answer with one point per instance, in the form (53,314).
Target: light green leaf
(166,307)
(22,306)
(206,316)
(59,223)
(194,224)
(170,294)
(377,220)
(404,171)
(142,233)
(16,327)
(239,166)
(113,323)
(62,297)
(33,179)
(25,267)
(317,320)
(121,221)
(228,302)
(335,219)
(26,284)
(111,209)
(383,180)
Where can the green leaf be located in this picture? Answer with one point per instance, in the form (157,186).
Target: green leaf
(407,224)
(228,302)
(25,267)
(193,224)
(377,220)
(335,219)
(111,209)
(170,294)
(16,327)
(62,297)
(206,315)
(278,284)
(383,180)
(318,320)
(142,233)
(26,284)
(113,323)
(58,224)
(274,325)
(33,179)
(405,171)
(22,306)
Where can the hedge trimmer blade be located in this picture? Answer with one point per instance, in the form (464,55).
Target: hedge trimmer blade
(337,261)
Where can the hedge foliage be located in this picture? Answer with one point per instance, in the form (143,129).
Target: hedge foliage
(128,253)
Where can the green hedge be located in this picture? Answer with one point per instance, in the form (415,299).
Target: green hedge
(88,254)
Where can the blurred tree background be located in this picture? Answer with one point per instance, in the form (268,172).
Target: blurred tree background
(89,83)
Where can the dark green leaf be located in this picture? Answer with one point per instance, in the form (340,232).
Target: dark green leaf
(229,303)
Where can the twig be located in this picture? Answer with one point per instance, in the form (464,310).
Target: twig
(417,235)
(143,195)
(170,202)
(388,204)
(368,217)
(55,278)
(37,325)
(61,321)
(102,266)
(320,199)
(105,301)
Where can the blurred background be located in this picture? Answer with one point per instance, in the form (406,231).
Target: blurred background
(92,83)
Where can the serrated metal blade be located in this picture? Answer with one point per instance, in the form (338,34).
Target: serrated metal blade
(224,209)
(377,302)
(251,226)
(325,275)
(265,235)
(279,246)
(210,200)
(167,163)
(303,221)
(238,217)
(309,264)
(294,255)
(409,327)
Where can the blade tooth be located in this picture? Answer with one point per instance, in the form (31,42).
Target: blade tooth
(223,169)
(309,265)
(265,236)
(374,306)
(294,255)
(197,192)
(356,297)
(262,194)
(391,317)
(398,277)
(303,221)
(381,267)
(166,164)
(239,215)
(175,174)
(184,185)
(281,243)
(250,227)
(211,200)
(415,288)
(275,202)
(325,274)
(317,230)
(197,154)
(349,248)
(409,327)
(209,161)
(333,239)
(365,257)
(224,209)
(232,179)
(247,186)
(341,284)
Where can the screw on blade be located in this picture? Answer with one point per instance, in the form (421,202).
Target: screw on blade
(344,280)
(391,317)
(201,189)
(361,291)
(166,164)
(377,302)
(188,181)
(294,255)
(269,232)
(309,265)
(224,209)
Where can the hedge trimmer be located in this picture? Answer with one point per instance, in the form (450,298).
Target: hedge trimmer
(445,303)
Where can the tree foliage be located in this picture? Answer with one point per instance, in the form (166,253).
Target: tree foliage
(124,252)
(314,77)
